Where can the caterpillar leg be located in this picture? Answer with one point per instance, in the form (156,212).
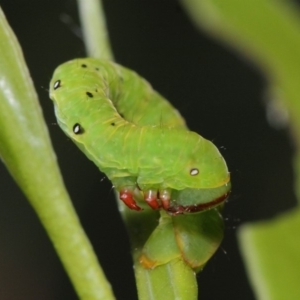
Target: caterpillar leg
(150,197)
(126,195)
(158,199)
(165,198)
(155,197)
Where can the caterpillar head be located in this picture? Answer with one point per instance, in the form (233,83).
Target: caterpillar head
(202,167)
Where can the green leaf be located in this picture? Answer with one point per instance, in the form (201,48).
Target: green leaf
(192,237)
(198,236)
(271,249)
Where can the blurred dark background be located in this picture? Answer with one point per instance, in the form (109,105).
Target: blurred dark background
(222,97)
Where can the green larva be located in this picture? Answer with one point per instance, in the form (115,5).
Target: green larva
(134,135)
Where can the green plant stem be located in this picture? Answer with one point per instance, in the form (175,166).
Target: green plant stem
(94,29)
(26,150)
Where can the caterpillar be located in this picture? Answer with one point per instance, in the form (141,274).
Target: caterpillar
(137,138)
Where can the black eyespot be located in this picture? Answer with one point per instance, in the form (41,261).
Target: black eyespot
(194,172)
(113,124)
(84,66)
(97,69)
(56,84)
(89,94)
(77,129)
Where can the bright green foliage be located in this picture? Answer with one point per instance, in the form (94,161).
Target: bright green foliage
(271,249)
(192,237)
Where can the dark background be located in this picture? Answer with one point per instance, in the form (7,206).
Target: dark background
(220,94)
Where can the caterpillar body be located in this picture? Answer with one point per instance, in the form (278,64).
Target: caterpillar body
(136,137)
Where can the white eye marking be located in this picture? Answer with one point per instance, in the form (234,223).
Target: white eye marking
(56,84)
(77,129)
(194,172)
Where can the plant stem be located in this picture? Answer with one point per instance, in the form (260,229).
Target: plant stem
(26,150)
(94,29)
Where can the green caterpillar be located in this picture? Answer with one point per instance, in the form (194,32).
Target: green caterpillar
(137,138)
